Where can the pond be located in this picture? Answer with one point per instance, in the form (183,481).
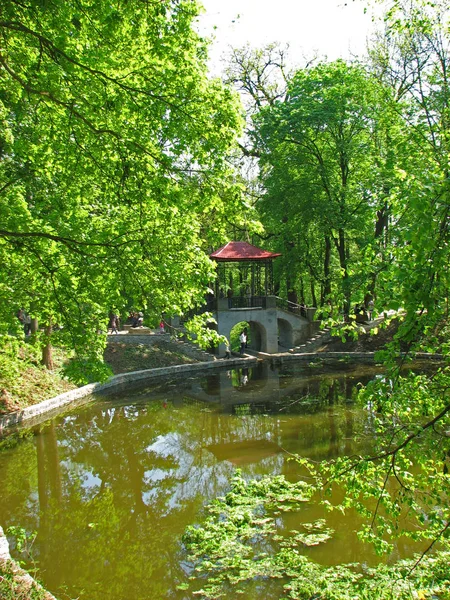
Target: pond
(110,488)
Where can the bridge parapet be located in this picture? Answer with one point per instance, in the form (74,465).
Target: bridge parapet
(296,309)
(236,302)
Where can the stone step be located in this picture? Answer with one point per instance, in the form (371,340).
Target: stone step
(314,340)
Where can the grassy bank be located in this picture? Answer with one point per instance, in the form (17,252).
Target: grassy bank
(24,381)
(16,585)
(124,358)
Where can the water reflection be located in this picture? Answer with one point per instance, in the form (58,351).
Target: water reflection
(111,488)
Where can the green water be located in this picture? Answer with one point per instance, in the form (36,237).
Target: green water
(111,487)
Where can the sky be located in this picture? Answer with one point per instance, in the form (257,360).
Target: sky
(329,28)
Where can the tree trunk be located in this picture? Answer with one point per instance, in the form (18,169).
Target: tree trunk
(42,477)
(34,326)
(343,264)
(47,350)
(326,271)
(302,291)
(54,464)
(291,293)
(381,233)
(313,293)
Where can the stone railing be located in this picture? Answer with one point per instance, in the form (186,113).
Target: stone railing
(297,309)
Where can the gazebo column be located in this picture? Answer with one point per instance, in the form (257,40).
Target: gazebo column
(252,291)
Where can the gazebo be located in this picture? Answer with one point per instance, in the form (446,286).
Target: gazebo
(244,274)
(244,294)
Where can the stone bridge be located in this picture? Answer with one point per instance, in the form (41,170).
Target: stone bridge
(274,324)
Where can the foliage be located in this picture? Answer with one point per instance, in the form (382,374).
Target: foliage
(12,586)
(319,158)
(354,161)
(232,542)
(113,177)
(237,543)
(407,472)
(200,328)
(23,540)
(412,59)
(88,369)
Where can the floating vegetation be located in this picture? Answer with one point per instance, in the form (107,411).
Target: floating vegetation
(239,545)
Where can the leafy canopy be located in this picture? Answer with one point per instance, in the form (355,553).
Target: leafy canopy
(113,152)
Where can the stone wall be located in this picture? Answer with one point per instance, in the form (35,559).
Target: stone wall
(51,408)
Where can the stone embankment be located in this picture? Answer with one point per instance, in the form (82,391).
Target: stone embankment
(52,407)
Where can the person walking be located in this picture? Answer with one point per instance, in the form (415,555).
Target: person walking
(370,308)
(243,341)
(113,324)
(25,321)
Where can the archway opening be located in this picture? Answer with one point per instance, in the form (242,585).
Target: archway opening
(235,333)
(285,335)
(256,336)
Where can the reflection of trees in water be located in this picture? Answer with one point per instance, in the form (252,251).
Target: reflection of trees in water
(131,476)
(314,394)
(124,475)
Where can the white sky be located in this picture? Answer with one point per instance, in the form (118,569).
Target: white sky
(329,28)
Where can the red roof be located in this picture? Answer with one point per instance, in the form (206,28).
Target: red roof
(241,251)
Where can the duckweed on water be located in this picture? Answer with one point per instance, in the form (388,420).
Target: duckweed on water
(240,542)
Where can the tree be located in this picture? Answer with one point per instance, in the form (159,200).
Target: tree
(317,152)
(408,472)
(112,154)
(413,58)
(365,165)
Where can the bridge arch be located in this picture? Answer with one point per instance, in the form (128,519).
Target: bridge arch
(261,331)
(256,333)
(269,326)
(285,333)
(258,337)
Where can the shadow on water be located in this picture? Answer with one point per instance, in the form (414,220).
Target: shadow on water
(111,488)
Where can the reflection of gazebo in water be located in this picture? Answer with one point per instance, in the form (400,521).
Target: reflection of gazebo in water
(244,274)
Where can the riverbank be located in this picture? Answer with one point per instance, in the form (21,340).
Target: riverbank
(15,583)
(24,381)
(30,383)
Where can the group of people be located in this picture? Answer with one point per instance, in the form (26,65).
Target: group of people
(134,319)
